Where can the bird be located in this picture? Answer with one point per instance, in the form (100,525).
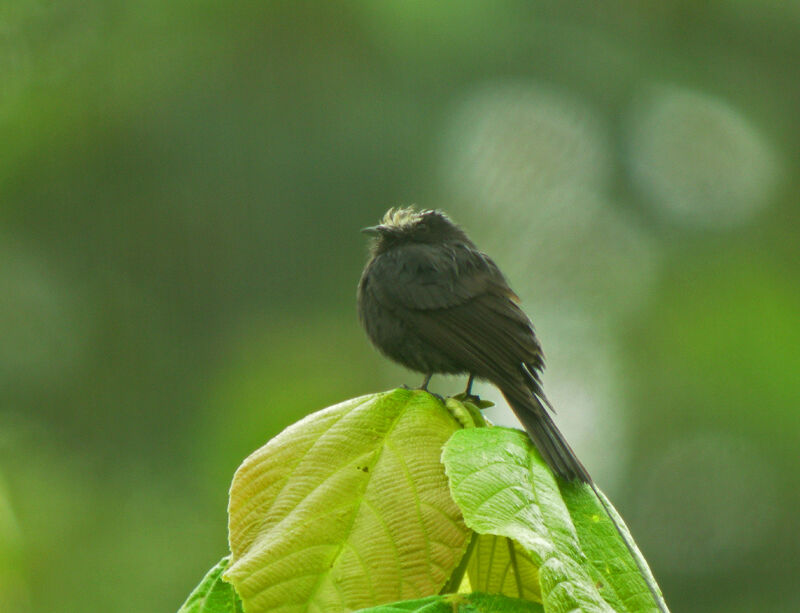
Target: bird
(430,300)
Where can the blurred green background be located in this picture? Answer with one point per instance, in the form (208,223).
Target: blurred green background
(181,188)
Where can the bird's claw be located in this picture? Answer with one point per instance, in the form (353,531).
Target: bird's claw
(422,389)
(474,399)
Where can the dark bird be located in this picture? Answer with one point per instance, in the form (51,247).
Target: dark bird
(432,301)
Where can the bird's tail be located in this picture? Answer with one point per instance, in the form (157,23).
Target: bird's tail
(531,411)
(551,444)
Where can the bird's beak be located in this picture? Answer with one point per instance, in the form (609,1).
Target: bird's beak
(372,230)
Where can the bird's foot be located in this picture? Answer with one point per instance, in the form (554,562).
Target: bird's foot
(474,399)
(468,396)
(423,389)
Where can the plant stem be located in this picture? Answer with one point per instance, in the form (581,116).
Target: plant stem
(454,582)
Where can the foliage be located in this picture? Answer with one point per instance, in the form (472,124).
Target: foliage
(396,497)
(503,488)
(347,508)
(460,603)
(213,595)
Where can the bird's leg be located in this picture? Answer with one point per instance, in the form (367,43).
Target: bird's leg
(427,380)
(468,396)
(468,391)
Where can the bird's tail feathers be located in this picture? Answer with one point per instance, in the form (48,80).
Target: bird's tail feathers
(562,460)
(546,436)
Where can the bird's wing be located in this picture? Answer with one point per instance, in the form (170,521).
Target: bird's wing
(461,303)
(463,306)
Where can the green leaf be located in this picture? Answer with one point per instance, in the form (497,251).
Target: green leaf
(460,603)
(499,565)
(620,580)
(466,412)
(213,595)
(347,508)
(505,489)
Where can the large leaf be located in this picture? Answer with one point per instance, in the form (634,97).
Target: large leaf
(626,583)
(499,565)
(505,489)
(213,595)
(347,508)
(460,603)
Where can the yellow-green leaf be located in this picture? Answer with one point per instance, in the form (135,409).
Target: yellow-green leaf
(346,509)
(460,603)
(499,565)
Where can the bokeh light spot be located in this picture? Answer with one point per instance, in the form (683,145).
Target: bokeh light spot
(697,160)
(508,143)
(531,167)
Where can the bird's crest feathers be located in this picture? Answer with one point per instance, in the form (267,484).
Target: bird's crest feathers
(405,217)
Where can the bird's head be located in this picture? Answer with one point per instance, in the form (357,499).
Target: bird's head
(407,225)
